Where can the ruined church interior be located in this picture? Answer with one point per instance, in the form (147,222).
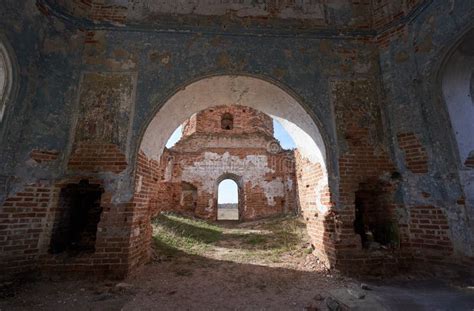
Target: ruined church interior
(237,155)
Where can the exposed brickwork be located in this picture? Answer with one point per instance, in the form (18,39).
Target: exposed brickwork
(416,157)
(104,12)
(429,232)
(314,200)
(245,121)
(385,39)
(26,220)
(363,161)
(43,156)
(387,11)
(97,158)
(470,160)
(144,206)
(23,220)
(78,93)
(208,151)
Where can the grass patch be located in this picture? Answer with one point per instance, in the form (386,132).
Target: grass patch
(254,239)
(262,241)
(173,233)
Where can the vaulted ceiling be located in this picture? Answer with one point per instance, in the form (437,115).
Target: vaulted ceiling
(361,15)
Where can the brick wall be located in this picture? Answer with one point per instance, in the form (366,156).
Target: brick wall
(44,156)
(23,220)
(245,120)
(470,160)
(97,157)
(313,197)
(363,160)
(429,234)
(274,193)
(416,158)
(207,152)
(145,204)
(26,223)
(101,11)
(387,11)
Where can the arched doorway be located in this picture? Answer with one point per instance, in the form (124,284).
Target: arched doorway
(228,200)
(314,194)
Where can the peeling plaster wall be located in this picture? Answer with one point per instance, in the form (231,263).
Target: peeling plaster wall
(45,59)
(246,8)
(294,75)
(247,153)
(411,60)
(252,169)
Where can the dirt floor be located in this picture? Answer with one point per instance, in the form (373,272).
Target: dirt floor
(262,265)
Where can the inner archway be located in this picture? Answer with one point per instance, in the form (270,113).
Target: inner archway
(228,200)
(312,168)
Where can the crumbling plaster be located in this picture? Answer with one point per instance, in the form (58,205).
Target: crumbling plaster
(414,102)
(49,50)
(252,170)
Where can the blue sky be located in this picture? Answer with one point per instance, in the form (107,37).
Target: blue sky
(282,135)
(174,137)
(228,189)
(228,192)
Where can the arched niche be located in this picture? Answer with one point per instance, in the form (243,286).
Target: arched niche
(6,78)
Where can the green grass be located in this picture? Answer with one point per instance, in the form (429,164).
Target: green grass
(173,233)
(261,241)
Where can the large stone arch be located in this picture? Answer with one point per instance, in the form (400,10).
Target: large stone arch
(245,90)
(259,93)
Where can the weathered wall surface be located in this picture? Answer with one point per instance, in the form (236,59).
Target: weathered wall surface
(299,15)
(267,187)
(423,141)
(246,153)
(400,125)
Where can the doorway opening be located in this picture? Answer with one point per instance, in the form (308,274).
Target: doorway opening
(77,217)
(228,200)
(231,132)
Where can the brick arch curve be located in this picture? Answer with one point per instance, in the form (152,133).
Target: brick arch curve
(236,178)
(310,123)
(259,93)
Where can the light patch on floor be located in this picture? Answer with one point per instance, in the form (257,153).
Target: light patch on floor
(227,214)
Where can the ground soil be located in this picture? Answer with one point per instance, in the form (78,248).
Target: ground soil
(263,265)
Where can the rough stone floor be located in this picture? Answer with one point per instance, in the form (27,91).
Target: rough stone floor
(262,265)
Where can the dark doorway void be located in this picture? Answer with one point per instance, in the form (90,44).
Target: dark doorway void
(227,121)
(188,196)
(374,216)
(77,217)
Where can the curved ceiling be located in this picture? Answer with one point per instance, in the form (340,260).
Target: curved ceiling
(269,15)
